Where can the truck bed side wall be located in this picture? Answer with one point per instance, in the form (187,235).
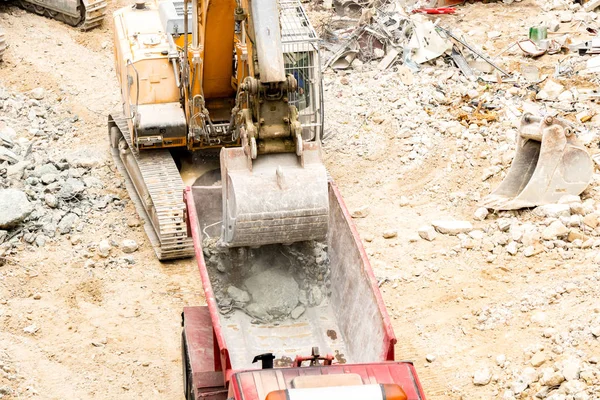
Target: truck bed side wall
(355,294)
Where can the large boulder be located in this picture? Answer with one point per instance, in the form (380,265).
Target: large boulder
(14,208)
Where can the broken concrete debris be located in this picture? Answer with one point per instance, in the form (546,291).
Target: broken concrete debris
(283,281)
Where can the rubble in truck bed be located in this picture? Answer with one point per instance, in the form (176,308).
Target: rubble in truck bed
(270,283)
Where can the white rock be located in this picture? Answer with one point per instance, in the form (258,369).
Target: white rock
(129,246)
(238,295)
(31,329)
(477,234)
(361,212)
(14,208)
(390,233)
(482,377)
(554,231)
(480,213)
(104,248)
(538,359)
(553,210)
(551,378)
(38,93)
(566,96)
(512,248)
(569,198)
(500,360)
(430,357)
(297,312)
(427,232)
(403,202)
(571,369)
(449,227)
(504,224)
(539,318)
(552,90)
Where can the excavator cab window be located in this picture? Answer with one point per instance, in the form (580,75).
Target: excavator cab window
(298,65)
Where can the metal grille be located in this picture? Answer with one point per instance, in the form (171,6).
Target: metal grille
(301,57)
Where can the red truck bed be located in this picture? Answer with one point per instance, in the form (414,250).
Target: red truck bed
(352,325)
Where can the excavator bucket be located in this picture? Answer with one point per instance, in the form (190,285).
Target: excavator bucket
(550,162)
(281,198)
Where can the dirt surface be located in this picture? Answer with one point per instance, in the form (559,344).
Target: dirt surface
(112,331)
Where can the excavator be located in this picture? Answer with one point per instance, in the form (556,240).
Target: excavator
(233,80)
(84,14)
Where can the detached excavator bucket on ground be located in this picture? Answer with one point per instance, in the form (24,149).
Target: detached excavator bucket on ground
(550,162)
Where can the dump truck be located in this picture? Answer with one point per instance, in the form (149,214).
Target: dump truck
(340,348)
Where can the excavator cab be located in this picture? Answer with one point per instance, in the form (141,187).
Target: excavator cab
(550,162)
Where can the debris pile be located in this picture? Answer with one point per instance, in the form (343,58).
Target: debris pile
(280,282)
(45,192)
(556,365)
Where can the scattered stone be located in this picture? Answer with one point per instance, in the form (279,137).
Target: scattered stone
(129,246)
(569,198)
(104,248)
(504,224)
(14,206)
(297,312)
(512,248)
(8,156)
(554,231)
(71,189)
(258,311)
(482,377)
(481,213)
(430,358)
(50,200)
(571,368)
(500,360)
(551,377)
(403,201)
(553,210)
(538,359)
(38,93)
(361,212)
(450,227)
(44,169)
(427,232)
(576,235)
(238,295)
(275,291)
(133,222)
(37,296)
(390,233)
(67,223)
(84,158)
(31,329)
(591,220)
(49,178)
